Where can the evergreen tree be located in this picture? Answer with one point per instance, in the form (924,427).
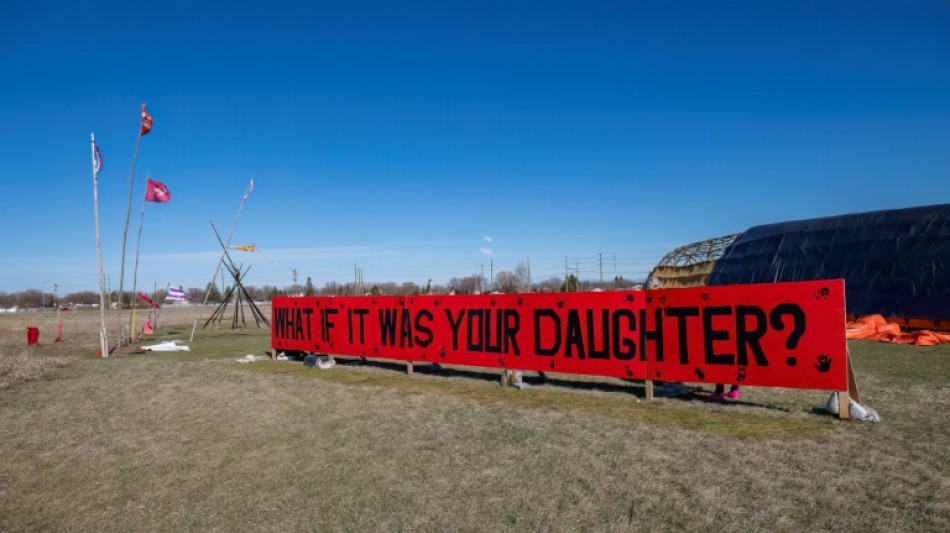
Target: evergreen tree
(214,295)
(308,289)
(570,284)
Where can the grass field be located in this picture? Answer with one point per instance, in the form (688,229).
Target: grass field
(196,441)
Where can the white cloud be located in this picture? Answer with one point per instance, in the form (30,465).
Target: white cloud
(485,250)
(486,237)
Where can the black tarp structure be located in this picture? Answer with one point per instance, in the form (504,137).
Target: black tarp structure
(895,262)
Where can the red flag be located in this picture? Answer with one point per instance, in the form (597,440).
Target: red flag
(147,299)
(146,122)
(156,191)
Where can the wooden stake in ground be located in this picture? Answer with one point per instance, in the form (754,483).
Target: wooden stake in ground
(159,313)
(96,166)
(217,268)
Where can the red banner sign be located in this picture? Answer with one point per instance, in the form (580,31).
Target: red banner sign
(774,335)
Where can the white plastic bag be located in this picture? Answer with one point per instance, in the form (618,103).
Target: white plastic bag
(856,410)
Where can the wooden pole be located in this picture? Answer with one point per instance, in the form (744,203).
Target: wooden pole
(125,230)
(844,405)
(135,274)
(217,268)
(852,383)
(103,339)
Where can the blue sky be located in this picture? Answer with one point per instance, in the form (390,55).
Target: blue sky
(402,136)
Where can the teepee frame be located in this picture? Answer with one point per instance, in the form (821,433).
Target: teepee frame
(238,293)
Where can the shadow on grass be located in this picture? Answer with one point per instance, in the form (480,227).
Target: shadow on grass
(591,398)
(635,388)
(589,395)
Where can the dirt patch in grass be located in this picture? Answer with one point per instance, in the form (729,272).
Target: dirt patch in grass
(22,365)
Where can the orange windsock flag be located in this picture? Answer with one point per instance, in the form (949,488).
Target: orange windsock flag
(247,248)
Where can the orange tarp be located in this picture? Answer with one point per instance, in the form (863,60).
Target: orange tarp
(875,328)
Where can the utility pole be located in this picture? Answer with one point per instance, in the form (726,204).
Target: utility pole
(293,274)
(529,274)
(600,257)
(491,275)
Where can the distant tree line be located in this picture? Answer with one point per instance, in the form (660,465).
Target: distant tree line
(503,282)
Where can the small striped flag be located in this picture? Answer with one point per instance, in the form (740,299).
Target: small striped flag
(175,294)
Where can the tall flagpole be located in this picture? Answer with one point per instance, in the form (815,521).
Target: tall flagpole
(103,339)
(250,187)
(125,230)
(135,274)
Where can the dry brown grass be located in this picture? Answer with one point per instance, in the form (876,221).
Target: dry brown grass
(19,362)
(194,441)
(21,366)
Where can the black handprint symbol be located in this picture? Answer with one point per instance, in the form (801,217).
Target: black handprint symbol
(824,363)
